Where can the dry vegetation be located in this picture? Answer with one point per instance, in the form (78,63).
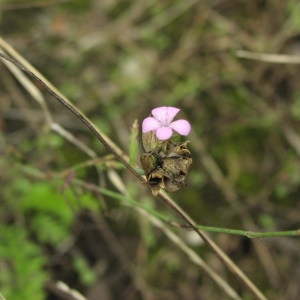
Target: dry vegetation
(65,203)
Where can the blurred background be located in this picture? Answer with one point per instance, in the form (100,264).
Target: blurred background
(116,60)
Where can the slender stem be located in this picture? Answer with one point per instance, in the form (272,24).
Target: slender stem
(250,234)
(166,219)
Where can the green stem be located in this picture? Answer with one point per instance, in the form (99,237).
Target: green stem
(245,233)
(250,234)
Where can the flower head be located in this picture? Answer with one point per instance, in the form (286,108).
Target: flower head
(162,124)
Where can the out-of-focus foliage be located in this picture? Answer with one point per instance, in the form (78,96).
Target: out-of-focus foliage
(116,60)
(18,278)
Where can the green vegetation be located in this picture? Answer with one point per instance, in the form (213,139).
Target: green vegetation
(70,212)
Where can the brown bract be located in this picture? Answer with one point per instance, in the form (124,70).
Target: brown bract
(167,169)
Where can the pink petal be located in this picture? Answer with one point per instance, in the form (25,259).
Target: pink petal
(165,114)
(164,133)
(150,124)
(183,127)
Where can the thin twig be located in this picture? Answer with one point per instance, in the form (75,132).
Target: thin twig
(63,290)
(271,58)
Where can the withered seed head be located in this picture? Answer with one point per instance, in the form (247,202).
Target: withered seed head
(167,168)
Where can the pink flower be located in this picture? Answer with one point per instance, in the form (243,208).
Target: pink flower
(162,124)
